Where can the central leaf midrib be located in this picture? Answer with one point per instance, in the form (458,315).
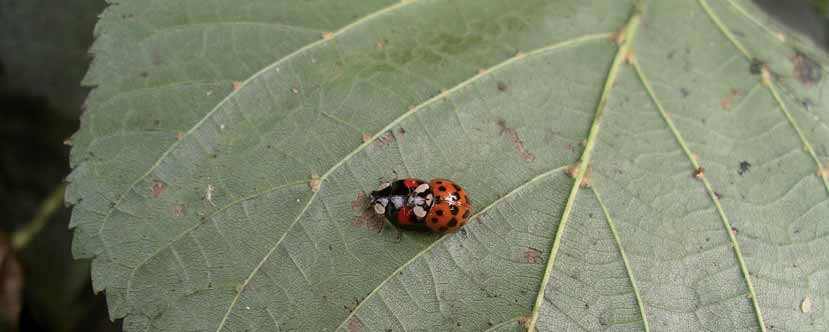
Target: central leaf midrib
(627,33)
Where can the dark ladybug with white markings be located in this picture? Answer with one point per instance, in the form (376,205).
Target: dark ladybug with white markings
(439,206)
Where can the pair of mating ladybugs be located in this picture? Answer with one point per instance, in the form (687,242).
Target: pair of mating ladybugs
(439,205)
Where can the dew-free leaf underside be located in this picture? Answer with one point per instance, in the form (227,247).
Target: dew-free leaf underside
(192,193)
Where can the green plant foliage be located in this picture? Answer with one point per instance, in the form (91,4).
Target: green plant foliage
(654,165)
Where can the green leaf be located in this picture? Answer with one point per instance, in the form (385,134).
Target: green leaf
(633,166)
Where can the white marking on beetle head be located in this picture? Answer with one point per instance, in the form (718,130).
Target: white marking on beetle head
(419,211)
(398,201)
(429,199)
(421,188)
(379,208)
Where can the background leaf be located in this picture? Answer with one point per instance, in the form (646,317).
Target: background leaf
(695,131)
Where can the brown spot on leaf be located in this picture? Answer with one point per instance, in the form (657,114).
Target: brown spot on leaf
(699,173)
(533,256)
(573,172)
(482,71)
(327,35)
(236,85)
(11,284)
(179,136)
(629,57)
(370,220)
(158,188)
(727,101)
(378,44)
(359,203)
(315,182)
(618,37)
(512,135)
(806,70)
(823,172)
(178,211)
(366,137)
(734,230)
(502,86)
(354,325)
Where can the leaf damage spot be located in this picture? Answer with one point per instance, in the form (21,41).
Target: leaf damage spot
(354,325)
(386,138)
(208,194)
(513,137)
(378,44)
(158,188)
(699,173)
(806,305)
(823,172)
(780,36)
(328,35)
(727,101)
(294,90)
(370,219)
(502,86)
(532,256)
(236,85)
(806,70)
(745,166)
(482,71)
(573,172)
(360,202)
(756,66)
(315,183)
(179,136)
(178,211)
(366,137)
(629,57)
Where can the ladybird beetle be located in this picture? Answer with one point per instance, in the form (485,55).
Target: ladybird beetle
(438,206)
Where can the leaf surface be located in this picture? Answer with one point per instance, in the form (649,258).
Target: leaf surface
(633,166)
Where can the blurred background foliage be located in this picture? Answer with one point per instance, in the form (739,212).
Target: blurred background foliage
(43,57)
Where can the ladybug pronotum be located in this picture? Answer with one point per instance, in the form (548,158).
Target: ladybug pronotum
(438,206)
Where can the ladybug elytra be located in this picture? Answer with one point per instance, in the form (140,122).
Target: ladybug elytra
(438,206)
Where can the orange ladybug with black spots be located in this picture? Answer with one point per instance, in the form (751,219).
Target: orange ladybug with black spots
(439,206)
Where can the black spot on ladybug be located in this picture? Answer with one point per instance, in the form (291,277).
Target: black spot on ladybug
(439,182)
(466,214)
(443,229)
(453,223)
(442,188)
(434,220)
(439,212)
(454,210)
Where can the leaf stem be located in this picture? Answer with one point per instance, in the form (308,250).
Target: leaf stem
(627,34)
(21,238)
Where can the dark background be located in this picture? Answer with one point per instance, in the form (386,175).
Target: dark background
(43,57)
